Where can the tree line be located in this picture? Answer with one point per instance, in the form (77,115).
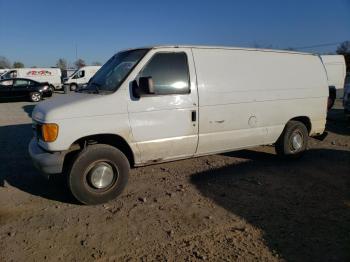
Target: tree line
(61,63)
(342,49)
(5,63)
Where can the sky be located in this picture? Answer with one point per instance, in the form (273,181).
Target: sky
(38,32)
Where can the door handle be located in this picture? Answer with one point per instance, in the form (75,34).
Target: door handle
(194,116)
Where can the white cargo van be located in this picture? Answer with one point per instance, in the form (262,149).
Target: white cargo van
(50,75)
(336,72)
(81,77)
(159,104)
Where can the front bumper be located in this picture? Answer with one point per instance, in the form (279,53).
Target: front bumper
(47,162)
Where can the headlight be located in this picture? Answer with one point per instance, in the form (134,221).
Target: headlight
(49,132)
(45,87)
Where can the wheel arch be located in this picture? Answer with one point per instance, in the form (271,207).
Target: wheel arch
(73,84)
(303,119)
(108,139)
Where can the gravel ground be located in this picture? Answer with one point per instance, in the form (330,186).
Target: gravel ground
(242,206)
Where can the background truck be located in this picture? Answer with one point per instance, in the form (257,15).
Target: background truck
(81,77)
(336,71)
(49,75)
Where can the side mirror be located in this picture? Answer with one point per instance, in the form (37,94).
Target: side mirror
(144,87)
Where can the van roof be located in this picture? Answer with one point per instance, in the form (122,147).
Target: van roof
(337,59)
(226,48)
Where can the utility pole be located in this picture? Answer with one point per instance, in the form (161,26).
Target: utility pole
(76,51)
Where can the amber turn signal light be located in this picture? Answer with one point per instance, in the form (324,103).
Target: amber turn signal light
(49,132)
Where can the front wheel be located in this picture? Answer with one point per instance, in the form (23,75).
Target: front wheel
(293,141)
(98,174)
(35,96)
(73,87)
(51,90)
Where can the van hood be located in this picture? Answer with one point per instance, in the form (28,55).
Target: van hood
(76,105)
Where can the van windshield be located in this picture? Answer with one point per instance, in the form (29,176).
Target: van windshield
(112,74)
(9,74)
(74,73)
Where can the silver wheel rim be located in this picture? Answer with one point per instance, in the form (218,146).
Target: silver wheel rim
(101,175)
(297,141)
(36,97)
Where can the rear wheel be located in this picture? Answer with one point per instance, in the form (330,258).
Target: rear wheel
(293,141)
(35,96)
(98,174)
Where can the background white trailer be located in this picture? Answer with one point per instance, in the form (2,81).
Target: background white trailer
(336,72)
(50,75)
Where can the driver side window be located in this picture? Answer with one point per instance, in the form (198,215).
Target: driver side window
(169,72)
(81,73)
(13,74)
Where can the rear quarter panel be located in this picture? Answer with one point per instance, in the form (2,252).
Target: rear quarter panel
(246,97)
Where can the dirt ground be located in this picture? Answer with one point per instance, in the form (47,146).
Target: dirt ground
(242,206)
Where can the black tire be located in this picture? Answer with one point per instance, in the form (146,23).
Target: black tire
(52,90)
(293,141)
(330,103)
(331,97)
(35,96)
(81,171)
(73,87)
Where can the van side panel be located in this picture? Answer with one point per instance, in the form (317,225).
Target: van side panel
(246,97)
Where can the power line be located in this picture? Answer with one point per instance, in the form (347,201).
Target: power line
(320,45)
